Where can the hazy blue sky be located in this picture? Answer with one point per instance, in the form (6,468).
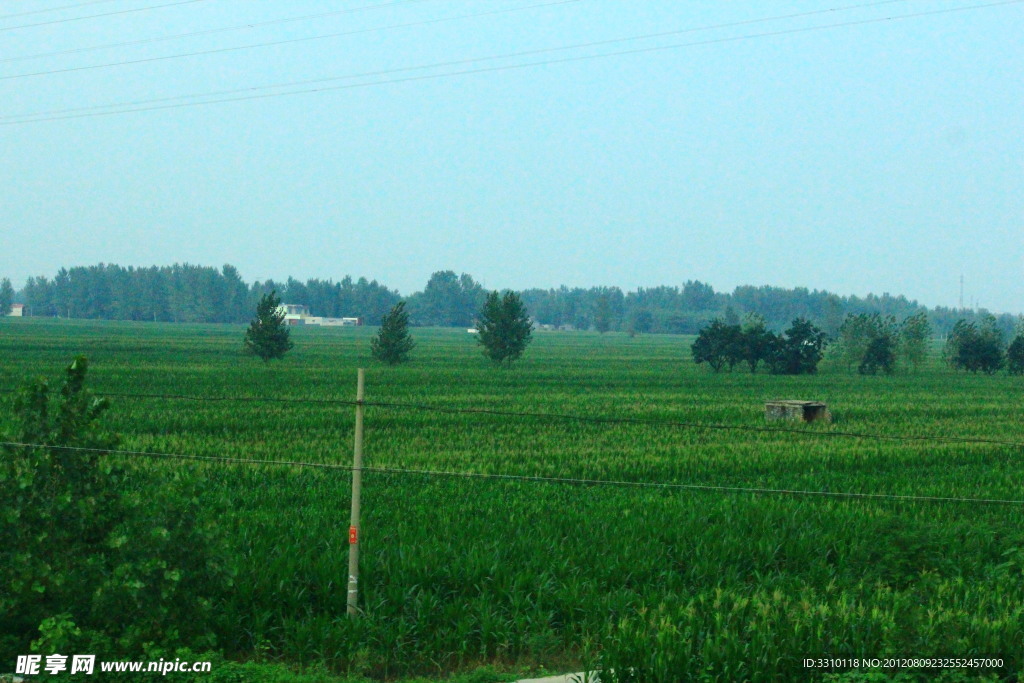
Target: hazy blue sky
(871,157)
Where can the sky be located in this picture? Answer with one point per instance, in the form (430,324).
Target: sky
(856,147)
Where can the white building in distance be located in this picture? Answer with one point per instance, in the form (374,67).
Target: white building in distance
(298,314)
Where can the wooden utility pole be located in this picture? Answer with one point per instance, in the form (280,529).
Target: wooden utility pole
(357,488)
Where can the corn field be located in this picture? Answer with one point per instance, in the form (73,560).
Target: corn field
(646,584)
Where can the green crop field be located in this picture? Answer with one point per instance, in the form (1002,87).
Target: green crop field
(658,584)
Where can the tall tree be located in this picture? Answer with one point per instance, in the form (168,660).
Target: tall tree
(233,295)
(800,350)
(972,348)
(755,341)
(38,294)
(504,327)
(393,342)
(869,342)
(880,355)
(448,300)
(643,321)
(267,336)
(914,334)
(602,314)
(1015,356)
(6,296)
(883,340)
(718,345)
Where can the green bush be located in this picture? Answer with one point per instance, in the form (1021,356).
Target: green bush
(94,556)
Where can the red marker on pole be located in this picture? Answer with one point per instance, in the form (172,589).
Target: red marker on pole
(357,485)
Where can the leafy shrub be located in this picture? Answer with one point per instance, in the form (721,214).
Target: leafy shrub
(93,556)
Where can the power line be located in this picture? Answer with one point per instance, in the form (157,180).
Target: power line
(105,14)
(236,48)
(397,2)
(481,70)
(190,34)
(330,79)
(620,483)
(52,9)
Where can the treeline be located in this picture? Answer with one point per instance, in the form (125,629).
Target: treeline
(876,343)
(189,293)
(194,294)
(202,294)
(797,351)
(870,343)
(689,308)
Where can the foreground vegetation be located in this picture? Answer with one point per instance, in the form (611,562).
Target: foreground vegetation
(660,584)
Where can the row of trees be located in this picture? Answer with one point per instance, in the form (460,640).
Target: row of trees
(188,293)
(795,352)
(874,343)
(503,326)
(980,347)
(504,329)
(871,343)
(688,309)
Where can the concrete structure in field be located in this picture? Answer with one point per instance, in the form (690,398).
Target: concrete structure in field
(17,310)
(298,314)
(800,411)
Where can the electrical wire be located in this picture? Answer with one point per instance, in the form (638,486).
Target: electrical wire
(190,34)
(57,115)
(594,419)
(288,41)
(437,65)
(53,9)
(534,479)
(105,14)
(582,418)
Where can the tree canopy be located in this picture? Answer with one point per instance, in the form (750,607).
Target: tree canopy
(6,296)
(1015,356)
(267,336)
(723,345)
(392,343)
(915,331)
(718,345)
(504,327)
(975,348)
(192,293)
(448,300)
(799,350)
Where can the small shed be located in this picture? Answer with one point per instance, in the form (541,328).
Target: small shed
(806,411)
